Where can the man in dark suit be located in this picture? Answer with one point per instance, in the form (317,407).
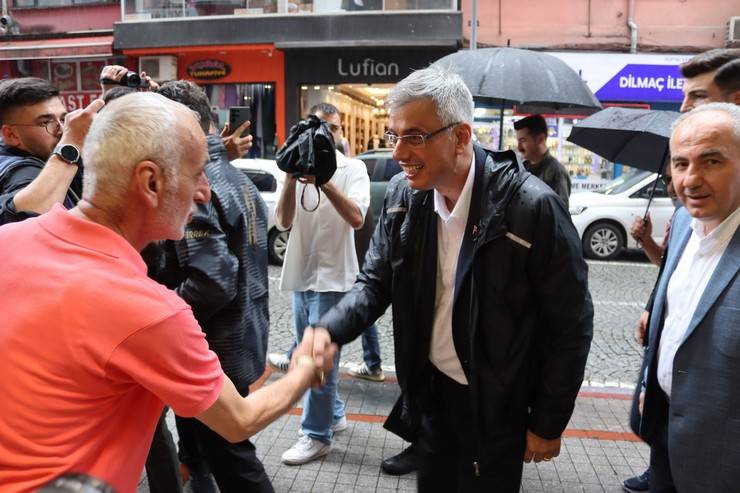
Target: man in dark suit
(491,310)
(691,373)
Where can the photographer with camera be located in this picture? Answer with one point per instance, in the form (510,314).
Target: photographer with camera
(113,76)
(40,150)
(320,266)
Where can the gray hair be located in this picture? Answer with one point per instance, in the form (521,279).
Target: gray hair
(131,129)
(732,110)
(451,97)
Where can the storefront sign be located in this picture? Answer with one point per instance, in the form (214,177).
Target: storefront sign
(209,70)
(337,66)
(645,78)
(644,83)
(367,68)
(77,100)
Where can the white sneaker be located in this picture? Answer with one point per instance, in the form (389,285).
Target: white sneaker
(305,450)
(278,362)
(362,371)
(340,425)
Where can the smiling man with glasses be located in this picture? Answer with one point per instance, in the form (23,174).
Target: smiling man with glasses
(40,150)
(492,318)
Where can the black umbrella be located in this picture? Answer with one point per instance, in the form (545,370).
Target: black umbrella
(536,82)
(635,137)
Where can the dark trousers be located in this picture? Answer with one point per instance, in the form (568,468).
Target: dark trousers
(162,466)
(235,466)
(449,444)
(661,478)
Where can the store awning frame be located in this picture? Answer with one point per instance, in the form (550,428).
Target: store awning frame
(79,47)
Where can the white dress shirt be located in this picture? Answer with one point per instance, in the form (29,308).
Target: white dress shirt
(686,286)
(321,253)
(450,231)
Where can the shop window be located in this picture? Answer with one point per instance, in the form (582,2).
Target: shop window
(261,99)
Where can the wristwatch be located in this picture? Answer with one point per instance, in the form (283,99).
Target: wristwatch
(68,153)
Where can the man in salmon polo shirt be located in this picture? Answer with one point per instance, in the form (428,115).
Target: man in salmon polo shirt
(90,348)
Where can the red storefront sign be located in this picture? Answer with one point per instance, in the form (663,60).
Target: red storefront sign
(77,100)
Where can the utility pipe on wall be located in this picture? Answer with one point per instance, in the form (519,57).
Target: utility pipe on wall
(474,25)
(633,26)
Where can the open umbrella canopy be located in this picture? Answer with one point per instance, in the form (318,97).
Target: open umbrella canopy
(635,137)
(535,81)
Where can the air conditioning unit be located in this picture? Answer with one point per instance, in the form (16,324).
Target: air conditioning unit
(733,32)
(160,68)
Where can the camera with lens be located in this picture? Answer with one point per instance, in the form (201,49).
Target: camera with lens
(130,79)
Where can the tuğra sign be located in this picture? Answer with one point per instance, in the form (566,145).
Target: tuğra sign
(209,70)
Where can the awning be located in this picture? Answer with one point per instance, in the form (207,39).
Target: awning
(78,47)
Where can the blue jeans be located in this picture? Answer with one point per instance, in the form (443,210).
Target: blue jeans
(321,407)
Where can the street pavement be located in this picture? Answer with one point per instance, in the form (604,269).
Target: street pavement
(598,450)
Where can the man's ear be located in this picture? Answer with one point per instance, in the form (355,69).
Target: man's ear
(735,98)
(463,133)
(541,139)
(148,183)
(10,138)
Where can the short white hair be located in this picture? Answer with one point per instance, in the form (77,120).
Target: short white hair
(452,98)
(732,110)
(133,128)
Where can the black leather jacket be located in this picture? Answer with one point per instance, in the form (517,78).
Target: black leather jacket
(17,170)
(521,294)
(220,269)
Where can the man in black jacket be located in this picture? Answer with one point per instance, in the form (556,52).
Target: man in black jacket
(220,269)
(40,149)
(491,351)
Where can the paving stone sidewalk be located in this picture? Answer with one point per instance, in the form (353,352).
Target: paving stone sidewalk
(598,450)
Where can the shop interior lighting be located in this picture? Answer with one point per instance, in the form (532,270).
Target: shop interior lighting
(331,88)
(304,88)
(316,88)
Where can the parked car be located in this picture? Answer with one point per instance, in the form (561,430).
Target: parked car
(604,217)
(381,167)
(269,181)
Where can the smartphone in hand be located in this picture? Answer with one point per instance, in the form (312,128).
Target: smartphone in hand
(237,116)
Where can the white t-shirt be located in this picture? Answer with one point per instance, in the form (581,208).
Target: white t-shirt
(450,232)
(321,249)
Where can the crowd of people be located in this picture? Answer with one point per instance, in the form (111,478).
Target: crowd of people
(135,275)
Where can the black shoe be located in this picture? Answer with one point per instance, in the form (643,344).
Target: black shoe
(638,483)
(403,463)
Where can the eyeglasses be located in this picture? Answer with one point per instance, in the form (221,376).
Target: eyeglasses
(414,140)
(52,126)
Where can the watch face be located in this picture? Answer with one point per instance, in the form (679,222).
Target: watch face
(69,153)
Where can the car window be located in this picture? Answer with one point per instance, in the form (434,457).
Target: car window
(660,190)
(623,183)
(370,163)
(391,169)
(265,182)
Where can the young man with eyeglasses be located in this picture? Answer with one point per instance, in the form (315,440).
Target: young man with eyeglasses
(40,151)
(484,273)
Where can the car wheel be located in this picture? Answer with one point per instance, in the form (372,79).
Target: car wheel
(603,241)
(277,242)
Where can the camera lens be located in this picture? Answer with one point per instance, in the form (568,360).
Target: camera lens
(131,79)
